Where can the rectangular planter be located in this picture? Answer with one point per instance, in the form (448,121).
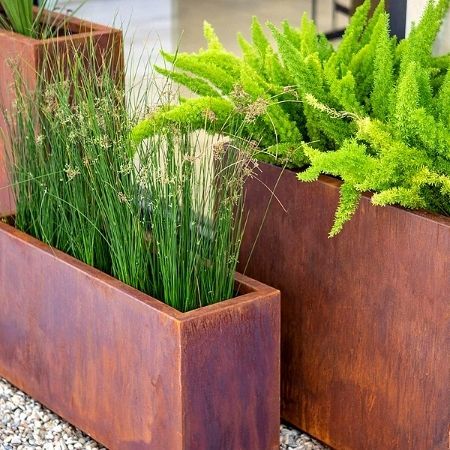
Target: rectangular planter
(131,371)
(29,56)
(365,329)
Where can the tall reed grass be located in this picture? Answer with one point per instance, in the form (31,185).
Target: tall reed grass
(165,218)
(194,188)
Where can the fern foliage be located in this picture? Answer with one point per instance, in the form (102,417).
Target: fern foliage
(373,112)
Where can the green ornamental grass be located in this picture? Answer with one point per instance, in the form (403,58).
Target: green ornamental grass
(164,217)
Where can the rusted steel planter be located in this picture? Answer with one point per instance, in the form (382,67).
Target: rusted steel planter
(131,371)
(365,330)
(29,56)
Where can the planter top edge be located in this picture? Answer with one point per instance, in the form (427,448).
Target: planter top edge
(252,289)
(82,27)
(336,183)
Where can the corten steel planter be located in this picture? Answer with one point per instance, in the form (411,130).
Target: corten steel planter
(365,329)
(29,57)
(131,371)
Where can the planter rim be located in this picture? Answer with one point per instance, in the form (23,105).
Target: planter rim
(85,27)
(336,182)
(252,290)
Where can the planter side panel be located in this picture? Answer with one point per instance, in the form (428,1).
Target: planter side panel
(16,53)
(231,362)
(364,315)
(100,358)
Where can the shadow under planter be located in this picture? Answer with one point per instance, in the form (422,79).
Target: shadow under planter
(131,371)
(365,329)
(30,57)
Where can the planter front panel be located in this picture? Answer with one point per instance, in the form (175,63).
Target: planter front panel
(87,349)
(19,54)
(129,370)
(364,315)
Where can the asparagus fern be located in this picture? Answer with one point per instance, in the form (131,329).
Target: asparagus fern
(374,112)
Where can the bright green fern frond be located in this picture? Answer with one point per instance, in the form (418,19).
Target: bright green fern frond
(284,129)
(308,36)
(291,34)
(253,84)
(211,37)
(210,113)
(427,177)
(227,61)
(306,71)
(406,197)
(443,101)
(383,75)
(433,135)
(349,198)
(250,54)
(407,101)
(351,162)
(274,70)
(312,172)
(325,48)
(194,84)
(217,76)
(351,42)
(419,44)
(361,66)
(288,155)
(344,91)
(271,112)
(372,22)
(259,38)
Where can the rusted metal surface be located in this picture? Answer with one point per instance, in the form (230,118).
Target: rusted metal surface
(365,329)
(29,57)
(131,371)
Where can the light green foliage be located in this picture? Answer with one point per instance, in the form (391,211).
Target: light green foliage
(205,112)
(265,102)
(405,163)
(211,37)
(383,70)
(195,84)
(259,39)
(418,47)
(290,155)
(443,102)
(204,67)
(303,62)
(392,136)
(351,41)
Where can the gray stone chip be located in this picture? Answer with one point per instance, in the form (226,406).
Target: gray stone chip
(27,425)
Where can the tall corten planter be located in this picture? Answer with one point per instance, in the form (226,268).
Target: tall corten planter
(365,324)
(131,371)
(26,57)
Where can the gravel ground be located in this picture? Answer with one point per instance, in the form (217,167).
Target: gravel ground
(27,425)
